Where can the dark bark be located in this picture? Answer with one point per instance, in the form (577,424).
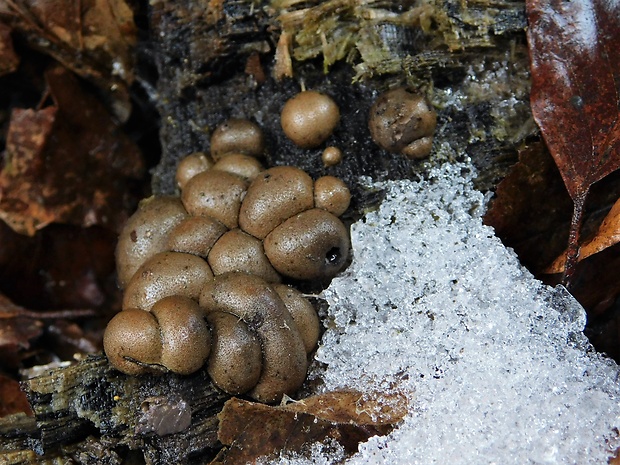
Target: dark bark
(92,401)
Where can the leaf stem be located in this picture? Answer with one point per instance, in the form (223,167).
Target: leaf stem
(572,253)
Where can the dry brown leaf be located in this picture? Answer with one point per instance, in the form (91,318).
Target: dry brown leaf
(93,38)
(67,163)
(353,407)
(35,271)
(283,65)
(252,430)
(575,108)
(531,208)
(20,328)
(608,234)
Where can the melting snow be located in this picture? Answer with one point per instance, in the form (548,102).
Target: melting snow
(494,363)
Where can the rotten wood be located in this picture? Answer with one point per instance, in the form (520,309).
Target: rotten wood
(168,418)
(201,50)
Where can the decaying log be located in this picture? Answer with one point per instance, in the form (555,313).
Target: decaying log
(169,418)
(215,60)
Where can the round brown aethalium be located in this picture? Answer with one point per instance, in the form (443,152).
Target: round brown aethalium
(216,194)
(236,358)
(237,135)
(254,301)
(403,121)
(240,164)
(303,313)
(146,233)
(165,274)
(309,118)
(173,336)
(235,235)
(183,331)
(132,341)
(238,251)
(331,194)
(195,235)
(190,166)
(331,156)
(274,196)
(311,245)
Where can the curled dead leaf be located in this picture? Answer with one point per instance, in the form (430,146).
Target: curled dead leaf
(17,332)
(353,407)
(576,109)
(608,234)
(20,328)
(251,430)
(531,209)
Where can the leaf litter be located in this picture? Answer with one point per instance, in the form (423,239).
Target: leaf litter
(575,94)
(348,417)
(52,176)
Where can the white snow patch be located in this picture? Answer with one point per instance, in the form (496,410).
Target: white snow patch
(494,363)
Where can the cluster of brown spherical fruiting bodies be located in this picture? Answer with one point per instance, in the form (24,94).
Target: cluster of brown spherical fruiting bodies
(202,273)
